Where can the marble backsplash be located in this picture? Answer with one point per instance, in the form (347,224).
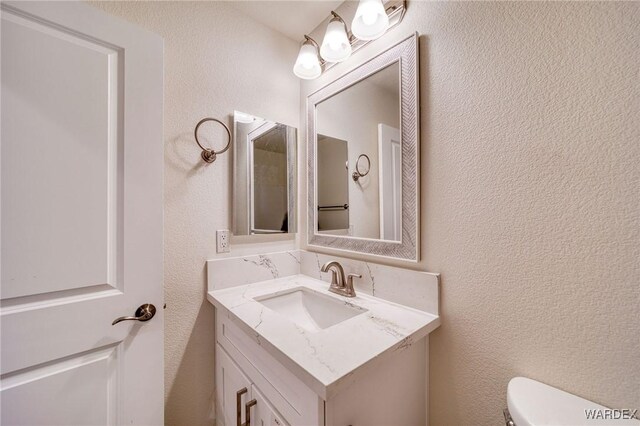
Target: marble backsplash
(230,272)
(416,289)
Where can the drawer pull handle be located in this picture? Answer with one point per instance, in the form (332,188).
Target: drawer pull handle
(239,406)
(247,411)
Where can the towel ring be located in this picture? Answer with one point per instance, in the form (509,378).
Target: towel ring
(358,174)
(209,155)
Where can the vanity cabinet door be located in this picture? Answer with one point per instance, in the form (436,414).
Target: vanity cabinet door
(264,413)
(290,397)
(233,389)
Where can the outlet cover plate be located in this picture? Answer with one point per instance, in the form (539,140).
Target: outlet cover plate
(222,241)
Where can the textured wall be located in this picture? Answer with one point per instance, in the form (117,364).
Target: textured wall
(216,60)
(530,198)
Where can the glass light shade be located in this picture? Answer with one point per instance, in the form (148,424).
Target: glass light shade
(335,45)
(371,20)
(307,65)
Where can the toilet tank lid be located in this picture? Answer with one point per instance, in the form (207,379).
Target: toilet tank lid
(533,403)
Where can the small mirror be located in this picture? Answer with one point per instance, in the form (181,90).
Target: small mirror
(264,190)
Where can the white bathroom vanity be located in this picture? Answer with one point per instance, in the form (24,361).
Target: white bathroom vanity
(289,352)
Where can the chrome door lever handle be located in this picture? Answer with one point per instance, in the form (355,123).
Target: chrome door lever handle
(143,313)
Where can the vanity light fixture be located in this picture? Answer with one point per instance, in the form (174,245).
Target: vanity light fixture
(372,19)
(308,65)
(336,46)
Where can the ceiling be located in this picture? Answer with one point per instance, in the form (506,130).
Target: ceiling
(291,18)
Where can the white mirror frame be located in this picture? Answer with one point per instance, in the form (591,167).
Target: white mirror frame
(406,53)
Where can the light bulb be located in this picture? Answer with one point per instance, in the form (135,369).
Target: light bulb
(307,62)
(335,45)
(369,17)
(371,20)
(307,65)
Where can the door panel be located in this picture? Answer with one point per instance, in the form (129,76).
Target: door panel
(62,126)
(84,380)
(81,217)
(229,380)
(390,170)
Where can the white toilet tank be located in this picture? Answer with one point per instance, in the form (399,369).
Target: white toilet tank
(532,403)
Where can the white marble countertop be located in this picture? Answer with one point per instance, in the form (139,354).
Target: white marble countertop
(328,359)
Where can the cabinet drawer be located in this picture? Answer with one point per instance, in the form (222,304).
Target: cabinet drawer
(298,404)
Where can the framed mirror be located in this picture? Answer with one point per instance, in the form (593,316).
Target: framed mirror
(264,184)
(363,157)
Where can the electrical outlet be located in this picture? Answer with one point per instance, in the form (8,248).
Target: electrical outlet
(222,241)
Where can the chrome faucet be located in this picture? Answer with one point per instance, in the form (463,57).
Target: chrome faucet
(338,284)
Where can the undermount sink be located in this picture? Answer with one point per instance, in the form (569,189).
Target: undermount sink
(310,310)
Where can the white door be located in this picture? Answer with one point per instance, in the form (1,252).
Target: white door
(81,217)
(237,396)
(390,154)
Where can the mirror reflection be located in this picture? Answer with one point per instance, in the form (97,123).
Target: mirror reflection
(264,176)
(333,194)
(359,159)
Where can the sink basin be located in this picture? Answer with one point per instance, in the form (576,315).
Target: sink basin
(310,310)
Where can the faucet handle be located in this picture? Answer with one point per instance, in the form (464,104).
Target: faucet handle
(350,278)
(349,291)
